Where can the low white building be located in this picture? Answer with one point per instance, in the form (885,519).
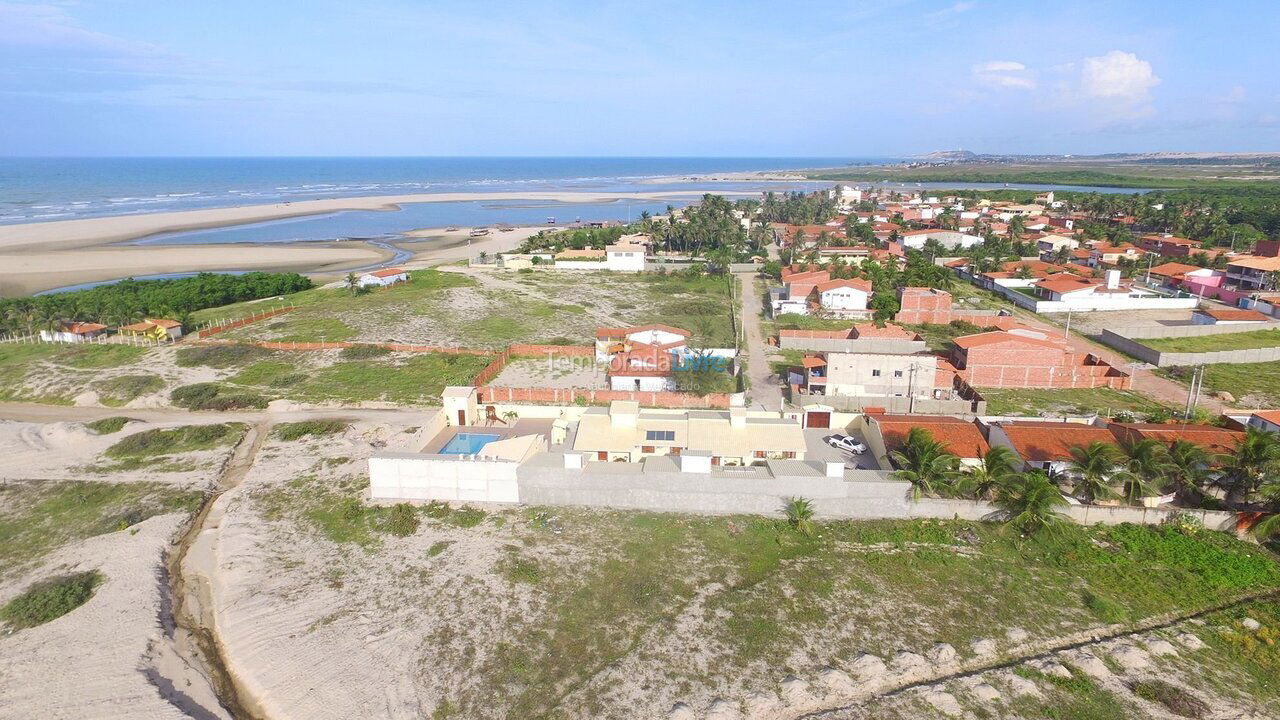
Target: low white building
(383,277)
(625,257)
(844,295)
(950,239)
(77,332)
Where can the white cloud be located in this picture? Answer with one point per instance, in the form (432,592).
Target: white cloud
(1005,74)
(1118,75)
(954,9)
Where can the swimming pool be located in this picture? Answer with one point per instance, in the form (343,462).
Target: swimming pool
(467,443)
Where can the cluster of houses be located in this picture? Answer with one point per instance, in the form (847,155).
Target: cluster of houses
(154,329)
(627,254)
(645,358)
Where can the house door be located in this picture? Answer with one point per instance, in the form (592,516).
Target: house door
(817,419)
(462,417)
(637,384)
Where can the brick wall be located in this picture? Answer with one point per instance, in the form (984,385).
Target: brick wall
(492,370)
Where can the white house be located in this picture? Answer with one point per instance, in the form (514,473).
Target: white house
(844,294)
(625,256)
(76,332)
(611,341)
(383,277)
(950,239)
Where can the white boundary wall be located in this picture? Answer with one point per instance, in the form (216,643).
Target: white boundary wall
(450,478)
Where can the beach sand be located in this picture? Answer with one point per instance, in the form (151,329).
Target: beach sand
(23,273)
(42,256)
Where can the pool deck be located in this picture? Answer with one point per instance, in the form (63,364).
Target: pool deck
(532,426)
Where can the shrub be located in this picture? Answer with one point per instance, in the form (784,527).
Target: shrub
(211,396)
(402,520)
(799,512)
(108,425)
(1177,700)
(219,356)
(151,443)
(295,430)
(1107,610)
(124,388)
(50,599)
(363,352)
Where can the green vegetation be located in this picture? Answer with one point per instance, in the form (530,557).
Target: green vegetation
(50,599)
(120,389)
(1053,174)
(130,300)
(940,337)
(779,589)
(186,438)
(219,356)
(1259,382)
(108,425)
(1074,401)
(212,396)
(36,518)
(793,321)
(418,378)
(309,428)
(337,512)
(1074,698)
(1210,343)
(363,352)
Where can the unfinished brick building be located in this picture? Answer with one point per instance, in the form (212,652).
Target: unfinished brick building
(1027,358)
(929,305)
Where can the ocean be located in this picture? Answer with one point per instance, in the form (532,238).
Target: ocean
(44,189)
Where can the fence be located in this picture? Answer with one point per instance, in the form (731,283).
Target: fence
(493,369)
(1128,340)
(342,345)
(214,326)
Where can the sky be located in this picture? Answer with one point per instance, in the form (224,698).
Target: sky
(854,78)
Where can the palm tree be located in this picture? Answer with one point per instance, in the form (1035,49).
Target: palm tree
(983,482)
(353,283)
(1029,502)
(1256,461)
(799,512)
(1091,468)
(924,462)
(1188,470)
(1146,466)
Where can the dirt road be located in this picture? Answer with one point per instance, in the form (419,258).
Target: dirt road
(765,391)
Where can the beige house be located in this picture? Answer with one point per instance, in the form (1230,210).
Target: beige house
(626,433)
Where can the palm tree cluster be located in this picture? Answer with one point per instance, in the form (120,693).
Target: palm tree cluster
(1248,477)
(130,300)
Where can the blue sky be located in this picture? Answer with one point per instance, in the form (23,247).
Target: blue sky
(849,78)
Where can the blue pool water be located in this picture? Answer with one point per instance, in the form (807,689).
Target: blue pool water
(467,443)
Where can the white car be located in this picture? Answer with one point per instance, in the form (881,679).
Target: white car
(846,442)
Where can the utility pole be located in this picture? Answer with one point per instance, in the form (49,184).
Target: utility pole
(1067,333)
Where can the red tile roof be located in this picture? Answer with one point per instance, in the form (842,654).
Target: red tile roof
(1173,269)
(891,331)
(1003,336)
(856,283)
(81,328)
(386,272)
(1211,438)
(1047,441)
(961,438)
(1234,314)
(1065,283)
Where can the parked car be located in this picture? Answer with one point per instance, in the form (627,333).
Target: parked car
(847,443)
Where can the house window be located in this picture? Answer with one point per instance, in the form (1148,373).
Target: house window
(875,373)
(897,373)
(646,448)
(663,435)
(789,455)
(759,453)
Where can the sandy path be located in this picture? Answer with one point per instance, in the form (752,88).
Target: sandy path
(764,390)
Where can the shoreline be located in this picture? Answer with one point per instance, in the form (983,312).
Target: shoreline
(58,235)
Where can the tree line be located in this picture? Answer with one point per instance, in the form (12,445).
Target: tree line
(1248,476)
(131,300)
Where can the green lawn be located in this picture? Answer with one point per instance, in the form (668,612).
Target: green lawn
(1209,343)
(38,517)
(412,378)
(1076,401)
(1260,382)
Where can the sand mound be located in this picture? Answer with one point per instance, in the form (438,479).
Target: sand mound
(88,398)
(942,654)
(762,705)
(1089,664)
(1052,667)
(1160,647)
(98,660)
(984,647)
(1189,641)
(985,692)
(837,681)
(1016,635)
(868,669)
(909,667)
(681,711)
(1021,686)
(1251,624)
(722,709)
(944,702)
(1130,657)
(796,692)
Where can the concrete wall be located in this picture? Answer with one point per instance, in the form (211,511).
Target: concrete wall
(421,477)
(882,346)
(1097,303)
(860,494)
(1129,340)
(894,404)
